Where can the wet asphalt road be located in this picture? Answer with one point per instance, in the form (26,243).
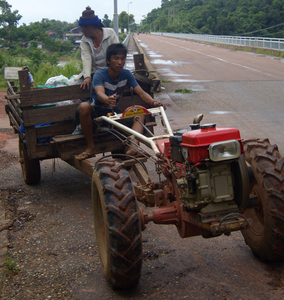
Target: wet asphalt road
(231,88)
(56,250)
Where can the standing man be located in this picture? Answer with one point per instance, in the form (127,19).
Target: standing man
(107,87)
(31,80)
(94,44)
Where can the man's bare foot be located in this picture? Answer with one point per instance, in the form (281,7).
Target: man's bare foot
(87,154)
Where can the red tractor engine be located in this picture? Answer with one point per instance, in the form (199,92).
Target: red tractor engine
(207,180)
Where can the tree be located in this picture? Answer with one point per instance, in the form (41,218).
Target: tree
(123,19)
(231,17)
(8,20)
(106,21)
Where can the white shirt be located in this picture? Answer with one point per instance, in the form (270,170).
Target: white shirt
(100,57)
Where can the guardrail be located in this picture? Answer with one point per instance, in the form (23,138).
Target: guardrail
(126,41)
(258,42)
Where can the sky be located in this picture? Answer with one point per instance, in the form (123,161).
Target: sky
(71,10)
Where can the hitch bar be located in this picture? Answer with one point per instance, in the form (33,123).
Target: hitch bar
(150,141)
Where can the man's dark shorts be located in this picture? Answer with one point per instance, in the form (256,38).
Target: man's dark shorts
(95,113)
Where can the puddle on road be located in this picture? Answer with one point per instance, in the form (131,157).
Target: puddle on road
(175,77)
(143,45)
(190,80)
(130,61)
(172,76)
(154,54)
(220,112)
(165,62)
(130,65)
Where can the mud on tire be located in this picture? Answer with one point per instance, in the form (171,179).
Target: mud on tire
(266,235)
(117,226)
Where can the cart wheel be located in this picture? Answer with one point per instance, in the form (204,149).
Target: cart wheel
(30,167)
(265,237)
(117,226)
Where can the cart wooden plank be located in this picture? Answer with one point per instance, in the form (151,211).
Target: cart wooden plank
(52,95)
(49,115)
(53,130)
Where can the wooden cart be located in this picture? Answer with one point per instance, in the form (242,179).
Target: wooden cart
(45,128)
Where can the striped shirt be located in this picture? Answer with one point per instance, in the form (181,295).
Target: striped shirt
(101,78)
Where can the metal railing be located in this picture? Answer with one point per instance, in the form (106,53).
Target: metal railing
(259,42)
(126,40)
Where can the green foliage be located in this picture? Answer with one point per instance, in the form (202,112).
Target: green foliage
(9,61)
(77,54)
(8,20)
(10,265)
(47,70)
(31,45)
(184,91)
(123,19)
(59,27)
(42,66)
(122,37)
(248,17)
(106,21)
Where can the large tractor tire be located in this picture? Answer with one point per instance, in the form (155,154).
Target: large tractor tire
(30,167)
(265,237)
(117,226)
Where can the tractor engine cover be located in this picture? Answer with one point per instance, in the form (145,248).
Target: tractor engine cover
(194,143)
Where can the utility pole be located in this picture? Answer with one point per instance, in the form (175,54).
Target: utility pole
(172,16)
(115,18)
(128,15)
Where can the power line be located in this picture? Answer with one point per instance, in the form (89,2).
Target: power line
(262,29)
(274,33)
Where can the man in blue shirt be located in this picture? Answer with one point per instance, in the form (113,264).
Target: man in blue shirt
(107,87)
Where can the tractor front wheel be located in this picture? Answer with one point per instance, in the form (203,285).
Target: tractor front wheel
(117,226)
(265,237)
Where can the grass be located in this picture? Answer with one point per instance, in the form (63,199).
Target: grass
(184,91)
(10,265)
(46,70)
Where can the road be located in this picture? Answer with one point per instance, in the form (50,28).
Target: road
(231,88)
(53,240)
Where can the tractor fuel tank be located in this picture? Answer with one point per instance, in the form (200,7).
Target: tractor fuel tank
(194,143)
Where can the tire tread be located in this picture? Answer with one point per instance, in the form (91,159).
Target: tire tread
(124,226)
(267,164)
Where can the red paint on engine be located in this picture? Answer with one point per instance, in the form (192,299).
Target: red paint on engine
(197,141)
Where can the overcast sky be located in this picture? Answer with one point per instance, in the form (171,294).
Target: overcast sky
(70,10)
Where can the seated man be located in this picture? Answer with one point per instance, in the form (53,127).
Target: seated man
(107,87)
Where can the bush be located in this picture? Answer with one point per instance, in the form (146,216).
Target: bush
(41,65)
(47,70)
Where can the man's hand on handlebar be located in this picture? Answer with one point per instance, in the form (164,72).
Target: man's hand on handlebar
(111,101)
(158,103)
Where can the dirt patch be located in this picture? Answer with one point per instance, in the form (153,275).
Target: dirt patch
(3,102)
(4,137)
(7,159)
(40,268)
(6,134)
(10,199)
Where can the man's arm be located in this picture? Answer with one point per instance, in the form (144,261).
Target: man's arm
(109,100)
(86,57)
(147,98)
